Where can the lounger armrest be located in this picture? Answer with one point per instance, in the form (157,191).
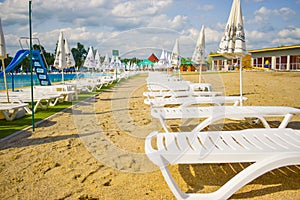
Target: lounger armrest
(153,154)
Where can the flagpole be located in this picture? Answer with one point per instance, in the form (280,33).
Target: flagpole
(31,74)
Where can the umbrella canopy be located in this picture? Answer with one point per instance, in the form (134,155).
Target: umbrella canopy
(69,56)
(106,64)
(233,43)
(3,56)
(60,57)
(163,60)
(199,52)
(89,61)
(97,60)
(175,56)
(2,42)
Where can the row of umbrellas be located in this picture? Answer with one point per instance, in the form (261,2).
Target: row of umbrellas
(232,46)
(91,60)
(63,57)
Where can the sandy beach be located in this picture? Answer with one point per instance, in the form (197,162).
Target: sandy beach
(96,149)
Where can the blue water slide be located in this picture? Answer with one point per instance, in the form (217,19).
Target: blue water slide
(20,55)
(38,64)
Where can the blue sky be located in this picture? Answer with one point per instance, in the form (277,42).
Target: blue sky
(138,27)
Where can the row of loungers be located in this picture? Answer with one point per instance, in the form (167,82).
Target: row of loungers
(265,148)
(45,96)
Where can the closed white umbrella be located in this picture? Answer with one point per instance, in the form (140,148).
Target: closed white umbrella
(199,52)
(163,59)
(60,58)
(233,43)
(3,56)
(97,60)
(175,56)
(89,61)
(106,64)
(69,56)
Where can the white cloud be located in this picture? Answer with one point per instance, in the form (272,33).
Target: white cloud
(256,35)
(137,8)
(212,35)
(257,39)
(263,14)
(286,13)
(286,41)
(178,23)
(207,7)
(292,33)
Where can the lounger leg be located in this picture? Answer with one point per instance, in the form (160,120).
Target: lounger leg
(55,101)
(10,116)
(254,171)
(238,181)
(164,124)
(206,123)
(264,121)
(172,184)
(286,120)
(27,109)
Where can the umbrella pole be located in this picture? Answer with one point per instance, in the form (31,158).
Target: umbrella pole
(179,72)
(62,76)
(200,73)
(241,83)
(5,81)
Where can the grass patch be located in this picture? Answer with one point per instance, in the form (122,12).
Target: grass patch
(10,127)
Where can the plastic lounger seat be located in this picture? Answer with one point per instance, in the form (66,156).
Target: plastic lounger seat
(180,94)
(186,101)
(267,149)
(211,114)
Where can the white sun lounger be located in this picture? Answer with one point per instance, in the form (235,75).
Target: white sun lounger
(211,114)
(41,100)
(267,149)
(165,82)
(87,84)
(178,86)
(10,110)
(186,101)
(176,94)
(67,92)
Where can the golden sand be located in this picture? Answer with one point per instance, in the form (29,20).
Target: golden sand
(96,150)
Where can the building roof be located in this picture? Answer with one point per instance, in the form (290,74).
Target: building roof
(153,58)
(275,48)
(265,50)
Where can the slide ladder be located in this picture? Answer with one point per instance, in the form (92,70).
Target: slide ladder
(40,68)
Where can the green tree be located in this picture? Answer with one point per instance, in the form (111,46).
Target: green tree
(79,54)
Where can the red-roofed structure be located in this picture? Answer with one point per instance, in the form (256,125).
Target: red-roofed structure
(153,58)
